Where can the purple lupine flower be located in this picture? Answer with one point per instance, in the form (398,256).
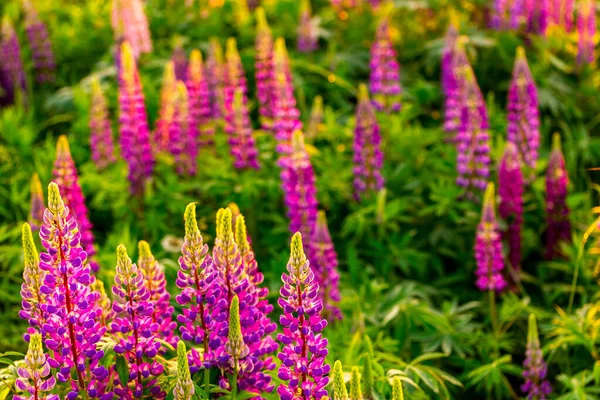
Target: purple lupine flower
(500,15)
(264,67)
(307,29)
(523,127)
(130,24)
(182,143)
(557,211)
(510,189)
(36,213)
(180,63)
(239,128)
(303,369)
(133,123)
(488,247)
(286,116)
(201,127)
(35,379)
(137,333)
(324,262)
(517,14)
(537,15)
(215,74)
(368,157)
(65,176)
(156,284)
(384,80)
(168,94)
(233,77)
(11,59)
(32,298)
(586,29)
(450,80)
(536,386)
(300,192)
(72,329)
(39,43)
(101,140)
(561,13)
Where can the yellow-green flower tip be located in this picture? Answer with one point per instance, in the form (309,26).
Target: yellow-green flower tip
(231,48)
(556,144)
(454,20)
(317,104)
(368,378)
(96,88)
(339,387)
(196,63)
(298,141)
(62,148)
(363,92)
(261,20)
(521,53)
(241,235)
(55,201)
(35,351)
(144,250)
(397,393)
(169,73)
(127,59)
(224,228)
(191,225)
(305,6)
(29,250)
(216,49)
(235,210)
(532,331)
(184,387)
(237,100)
(182,92)
(489,196)
(279,47)
(235,328)
(122,253)
(36,185)
(297,249)
(355,389)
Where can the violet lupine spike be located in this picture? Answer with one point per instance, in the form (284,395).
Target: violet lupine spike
(234,77)
(130,24)
(316,118)
(166,112)
(300,192)
(510,189)
(536,15)
(536,386)
(303,370)
(384,80)
(136,331)
(12,64)
(39,43)
(264,66)
(72,329)
(180,63)
(101,138)
(201,127)
(324,263)
(133,123)
(523,127)
(557,211)
(488,247)
(450,80)
(156,284)
(586,29)
(65,176)
(368,157)
(238,126)
(32,298)
(36,213)
(215,73)
(182,144)
(35,379)
(307,29)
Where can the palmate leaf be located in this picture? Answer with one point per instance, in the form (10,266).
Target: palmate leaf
(492,377)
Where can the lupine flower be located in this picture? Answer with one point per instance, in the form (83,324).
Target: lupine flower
(339,387)
(586,29)
(154,279)
(180,63)
(449,80)
(324,263)
(235,346)
(65,176)
(523,112)
(307,29)
(397,393)
(234,77)
(300,192)
(536,386)
(368,378)
(72,329)
(215,74)
(168,93)
(199,294)
(537,14)
(133,122)
(264,69)
(239,128)
(136,331)
(488,247)
(184,388)
(501,14)
(130,24)
(561,13)
(355,390)
(285,113)
(104,303)
(33,277)
(303,370)
(35,378)
(510,189)
(316,118)
(368,157)
(11,59)
(36,213)
(101,140)
(199,101)
(557,211)
(39,43)
(384,80)
(182,144)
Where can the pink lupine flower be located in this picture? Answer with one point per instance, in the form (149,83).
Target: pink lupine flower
(36,213)
(182,143)
(384,80)
(101,141)
(557,211)
(586,29)
(450,80)
(307,29)
(215,74)
(39,43)
(510,189)
(264,67)
(561,13)
(35,379)
(168,94)
(201,127)
(130,24)
(537,15)
(239,128)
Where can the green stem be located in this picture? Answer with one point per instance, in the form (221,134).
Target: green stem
(576,274)
(494,317)
(234,383)
(207,383)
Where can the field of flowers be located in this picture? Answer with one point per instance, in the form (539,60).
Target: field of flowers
(299,200)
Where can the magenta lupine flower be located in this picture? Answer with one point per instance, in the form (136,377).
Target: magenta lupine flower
(537,15)
(101,140)
(561,13)
(65,176)
(130,24)
(156,284)
(72,329)
(180,63)
(201,127)
(586,29)
(133,123)
(166,112)
(488,247)
(32,298)
(36,213)
(384,80)
(510,189)
(286,116)
(303,367)
(136,331)
(239,128)
(557,211)
(11,59)
(307,29)
(35,379)
(523,127)
(39,43)
(536,386)
(215,74)
(298,183)
(264,67)
(368,157)
(517,14)
(324,264)
(182,143)
(450,80)
(233,77)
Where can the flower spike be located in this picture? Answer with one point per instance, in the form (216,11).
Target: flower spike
(12,64)
(339,387)
(201,127)
(355,389)
(264,67)
(33,277)
(184,388)
(36,214)
(34,377)
(536,384)
(101,141)
(557,211)
(39,43)
(384,81)
(129,23)
(397,393)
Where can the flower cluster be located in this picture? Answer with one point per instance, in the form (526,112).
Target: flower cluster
(449,80)
(168,94)
(101,140)
(264,69)
(12,66)
(33,278)
(510,189)
(180,63)
(307,29)
(184,387)
(39,42)
(339,386)
(201,129)
(536,386)
(368,157)
(561,13)
(215,75)
(536,15)
(488,247)
(384,81)
(36,213)
(130,24)
(557,211)
(316,118)
(303,369)
(65,176)
(182,144)
(35,379)
(239,128)
(586,30)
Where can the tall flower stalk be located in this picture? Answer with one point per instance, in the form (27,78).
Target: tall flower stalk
(557,211)
(307,29)
(239,128)
(215,72)
(35,379)
(537,16)
(130,24)
(561,13)
(316,118)
(536,386)
(101,138)
(586,30)
(36,213)
(339,386)
(264,69)
(184,387)
(180,63)
(32,297)
(450,79)
(384,81)
(12,65)
(166,112)
(39,43)
(182,143)
(201,127)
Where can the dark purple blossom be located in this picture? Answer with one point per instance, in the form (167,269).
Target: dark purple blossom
(536,386)
(557,211)
(39,43)
(101,140)
(384,81)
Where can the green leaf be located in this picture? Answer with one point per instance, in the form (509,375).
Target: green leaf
(122,369)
